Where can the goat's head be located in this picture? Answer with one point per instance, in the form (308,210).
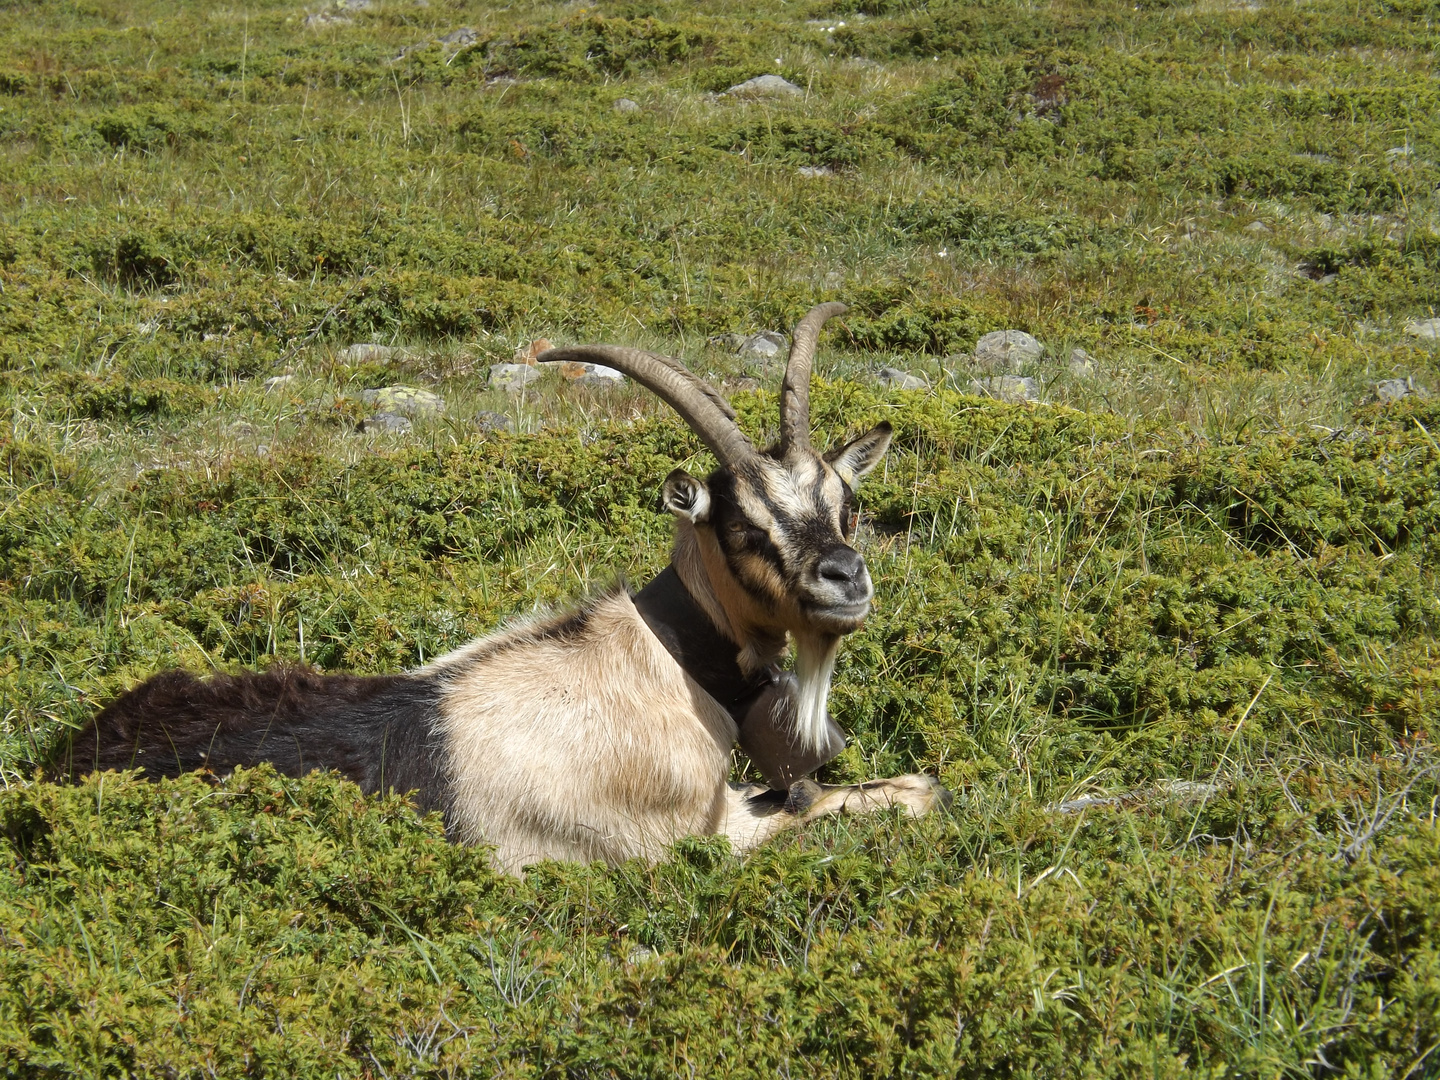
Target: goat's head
(769,530)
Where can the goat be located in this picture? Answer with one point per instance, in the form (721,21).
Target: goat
(604,733)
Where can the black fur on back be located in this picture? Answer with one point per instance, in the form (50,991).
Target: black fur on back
(376,730)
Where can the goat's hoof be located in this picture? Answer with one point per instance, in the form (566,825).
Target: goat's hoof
(801,796)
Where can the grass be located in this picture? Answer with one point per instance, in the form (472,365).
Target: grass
(1170,634)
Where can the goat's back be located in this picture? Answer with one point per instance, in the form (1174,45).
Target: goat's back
(377,730)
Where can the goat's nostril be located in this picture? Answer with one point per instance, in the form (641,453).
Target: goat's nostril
(842,565)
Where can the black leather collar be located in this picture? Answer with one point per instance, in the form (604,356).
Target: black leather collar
(698,646)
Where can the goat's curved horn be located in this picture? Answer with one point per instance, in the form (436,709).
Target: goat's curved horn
(708,414)
(795,393)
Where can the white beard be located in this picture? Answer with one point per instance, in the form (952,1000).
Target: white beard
(814,664)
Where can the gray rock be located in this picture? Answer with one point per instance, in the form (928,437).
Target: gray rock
(366,353)
(742,382)
(1391,390)
(386,423)
(460,38)
(1084,802)
(896,379)
(1259,228)
(337,13)
(488,421)
(1011,349)
(594,375)
(1008,388)
(1424,329)
(404,400)
(277,382)
(240,429)
(814,172)
(1171,791)
(625,106)
(1082,364)
(765,86)
(764,345)
(513,377)
(1327,279)
(640,955)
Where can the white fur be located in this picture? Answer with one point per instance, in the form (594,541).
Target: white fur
(814,665)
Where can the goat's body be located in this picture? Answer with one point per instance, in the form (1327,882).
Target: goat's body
(578,737)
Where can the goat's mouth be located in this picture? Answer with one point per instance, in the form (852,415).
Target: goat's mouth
(840,618)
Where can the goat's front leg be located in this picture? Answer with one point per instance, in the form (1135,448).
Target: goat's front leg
(755,814)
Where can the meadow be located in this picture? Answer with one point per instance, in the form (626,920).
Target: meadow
(1169,631)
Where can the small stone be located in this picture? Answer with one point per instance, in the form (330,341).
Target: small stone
(513,377)
(765,86)
(1008,348)
(591,375)
(1259,228)
(1392,390)
(1424,329)
(211,337)
(405,400)
(1008,388)
(367,353)
(277,382)
(640,955)
(1082,364)
(1084,802)
(460,38)
(896,379)
(742,382)
(814,172)
(386,423)
(240,429)
(337,13)
(727,341)
(526,354)
(764,345)
(1398,152)
(488,421)
(1327,279)
(625,106)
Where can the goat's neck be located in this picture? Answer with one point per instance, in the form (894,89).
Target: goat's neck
(702,569)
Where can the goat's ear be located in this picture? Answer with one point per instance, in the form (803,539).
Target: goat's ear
(686,497)
(858,457)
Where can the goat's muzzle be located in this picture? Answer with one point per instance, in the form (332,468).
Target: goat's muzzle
(839,591)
